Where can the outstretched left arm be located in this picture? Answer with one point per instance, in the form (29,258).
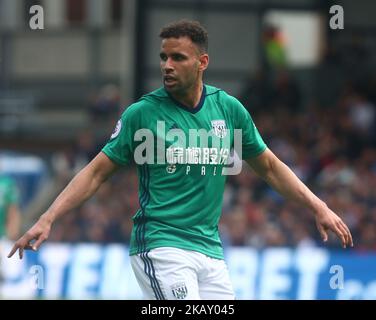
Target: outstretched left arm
(281,178)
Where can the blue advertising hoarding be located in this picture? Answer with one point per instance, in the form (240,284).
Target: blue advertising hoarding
(91,271)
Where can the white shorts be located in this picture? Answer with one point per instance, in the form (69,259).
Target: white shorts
(172,273)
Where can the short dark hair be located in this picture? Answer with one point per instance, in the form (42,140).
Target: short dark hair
(187,28)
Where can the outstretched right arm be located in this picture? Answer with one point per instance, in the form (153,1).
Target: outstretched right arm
(82,187)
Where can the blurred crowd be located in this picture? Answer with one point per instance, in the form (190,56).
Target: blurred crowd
(331,148)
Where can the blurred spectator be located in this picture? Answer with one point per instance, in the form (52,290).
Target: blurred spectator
(235,227)
(285,91)
(72,159)
(277,92)
(104,108)
(274,47)
(362,115)
(255,95)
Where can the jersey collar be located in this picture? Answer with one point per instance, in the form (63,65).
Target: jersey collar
(189,109)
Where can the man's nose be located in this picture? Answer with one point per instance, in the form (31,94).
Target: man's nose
(168,65)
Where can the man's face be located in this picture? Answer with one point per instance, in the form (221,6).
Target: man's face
(181,64)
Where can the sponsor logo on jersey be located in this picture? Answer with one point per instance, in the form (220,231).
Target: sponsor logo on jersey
(196,155)
(116,130)
(219,128)
(179,290)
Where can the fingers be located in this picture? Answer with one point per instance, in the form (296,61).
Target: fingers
(323,233)
(20,252)
(335,227)
(343,232)
(24,244)
(350,239)
(342,236)
(346,232)
(37,243)
(14,249)
(334,223)
(20,249)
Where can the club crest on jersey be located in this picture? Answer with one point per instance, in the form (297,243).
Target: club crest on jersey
(116,130)
(219,128)
(179,290)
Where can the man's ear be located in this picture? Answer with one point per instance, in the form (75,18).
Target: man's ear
(204,61)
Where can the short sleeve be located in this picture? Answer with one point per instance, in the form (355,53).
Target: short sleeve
(252,142)
(120,147)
